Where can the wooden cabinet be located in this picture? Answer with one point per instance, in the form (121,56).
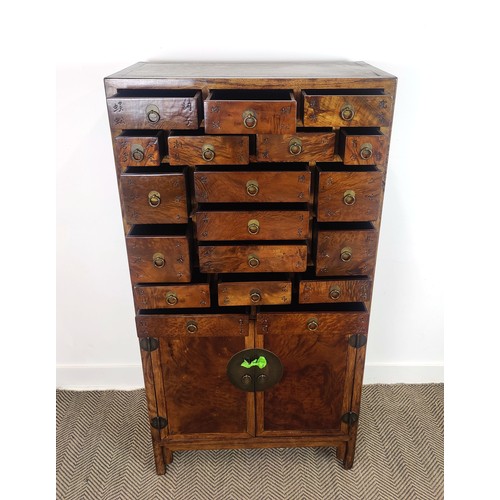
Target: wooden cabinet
(251,197)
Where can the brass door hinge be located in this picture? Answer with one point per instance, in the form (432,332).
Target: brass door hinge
(358,340)
(159,422)
(149,344)
(350,418)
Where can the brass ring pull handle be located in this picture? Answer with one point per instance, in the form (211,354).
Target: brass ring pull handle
(295,146)
(312,324)
(171,298)
(366,151)
(249,119)
(253,226)
(137,152)
(255,296)
(154,198)
(346,254)
(153,113)
(253,261)
(347,113)
(207,152)
(191,326)
(335,292)
(349,197)
(252,188)
(158,260)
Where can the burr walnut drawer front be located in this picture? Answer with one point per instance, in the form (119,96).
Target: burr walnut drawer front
(187,149)
(237,290)
(253,258)
(347,108)
(172,296)
(140,148)
(348,196)
(193,323)
(338,290)
(250,112)
(154,198)
(270,224)
(304,145)
(254,186)
(348,249)
(158,253)
(363,146)
(155,109)
(309,320)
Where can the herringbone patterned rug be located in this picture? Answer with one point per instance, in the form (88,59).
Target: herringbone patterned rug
(104,452)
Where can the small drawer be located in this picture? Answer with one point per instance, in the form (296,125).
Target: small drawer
(348,196)
(154,198)
(239,290)
(250,112)
(187,149)
(254,186)
(192,323)
(154,109)
(347,108)
(140,148)
(363,146)
(158,253)
(268,224)
(172,296)
(331,319)
(346,249)
(305,145)
(252,258)
(332,291)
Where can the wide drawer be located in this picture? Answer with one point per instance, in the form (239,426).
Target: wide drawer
(172,296)
(309,320)
(208,150)
(140,148)
(270,224)
(331,291)
(192,324)
(302,146)
(363,146)
(349,108)
(252,186)
(252,258)
(158,253)
(154,109)
(154,198)
(346,249)
(250,112)
(348,196)
(237,290)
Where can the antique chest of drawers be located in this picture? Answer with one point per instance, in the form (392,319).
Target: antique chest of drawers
(251,197)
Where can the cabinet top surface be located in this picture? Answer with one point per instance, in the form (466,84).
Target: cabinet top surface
(264,70)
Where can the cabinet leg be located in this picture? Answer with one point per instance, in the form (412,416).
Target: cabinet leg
(349,455)
(341,448)
(168,456)
(160,461)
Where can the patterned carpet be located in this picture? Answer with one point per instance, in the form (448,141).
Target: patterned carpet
(104,452)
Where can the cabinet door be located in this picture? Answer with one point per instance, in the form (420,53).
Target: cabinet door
(318,372)
(190,377)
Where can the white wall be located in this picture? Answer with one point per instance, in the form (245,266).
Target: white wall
(96,340)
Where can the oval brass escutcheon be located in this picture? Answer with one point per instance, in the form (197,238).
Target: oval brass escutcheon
(207,152)
(349,197)
(153,113)
(366,151)
(346,254)
(254,370)
(158,260)
(192,327)
(249,119)
(347,112)
(253,261)
(137,152)
(171,298)
(253,226)
(255,295)
(334,292)
(295,146)
(154,198)
(252,188)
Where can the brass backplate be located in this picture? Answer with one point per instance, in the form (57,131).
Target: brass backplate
(254,378)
